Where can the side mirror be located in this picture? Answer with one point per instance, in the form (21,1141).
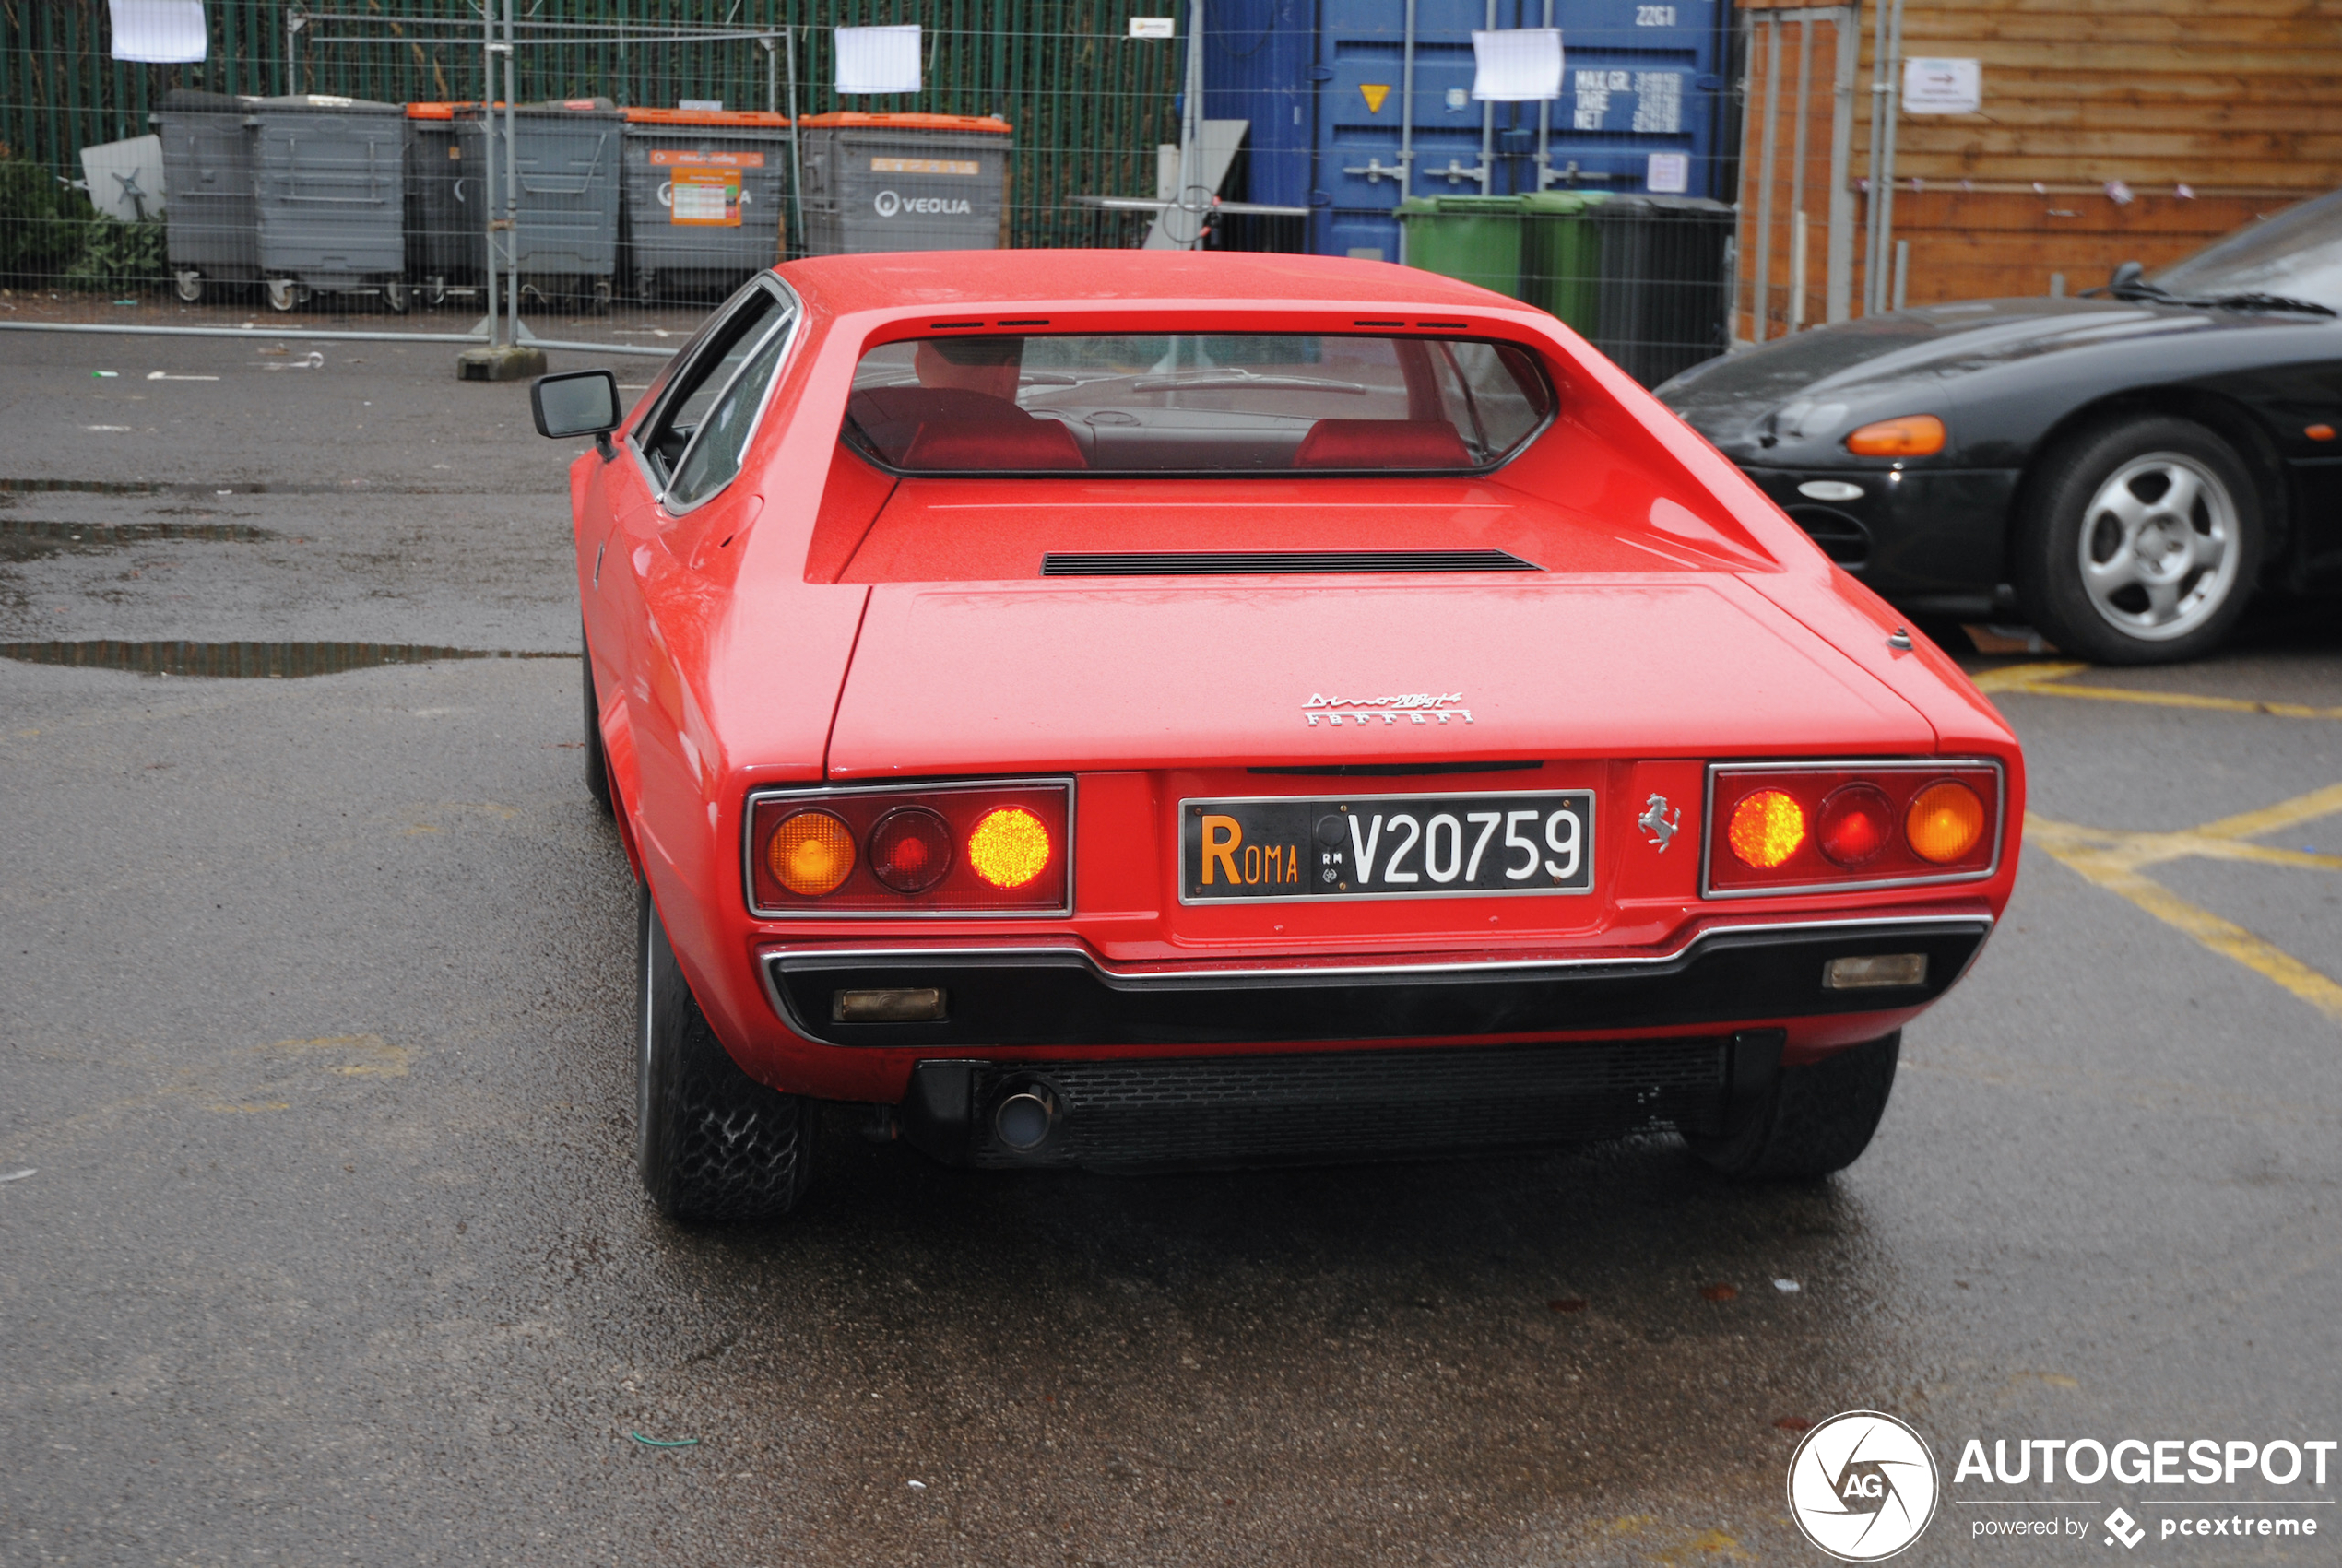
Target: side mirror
(577,403)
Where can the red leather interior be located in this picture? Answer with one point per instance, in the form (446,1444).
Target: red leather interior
(1022,442)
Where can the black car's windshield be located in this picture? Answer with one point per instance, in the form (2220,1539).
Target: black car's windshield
(2297,255)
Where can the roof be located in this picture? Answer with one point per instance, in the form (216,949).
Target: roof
(1038,278)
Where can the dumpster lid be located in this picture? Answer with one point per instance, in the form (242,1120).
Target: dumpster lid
(760,118)
(196,100)
(550,106)
(1562,203)
(912,120)
(321,103)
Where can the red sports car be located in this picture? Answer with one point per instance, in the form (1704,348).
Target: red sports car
(1139,710)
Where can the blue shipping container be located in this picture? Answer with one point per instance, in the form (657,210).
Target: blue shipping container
(1324,86)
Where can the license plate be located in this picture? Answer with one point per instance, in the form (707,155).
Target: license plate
(1387,846)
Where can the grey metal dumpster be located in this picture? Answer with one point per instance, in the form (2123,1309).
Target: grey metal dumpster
(567,153)
(330,185)
(707,198)
(904,183)
(212,229)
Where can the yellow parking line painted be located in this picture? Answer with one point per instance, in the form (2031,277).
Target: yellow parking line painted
(2050,681)
(2113,859)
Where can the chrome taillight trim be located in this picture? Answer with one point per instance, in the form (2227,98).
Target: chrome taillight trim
(1852,765)
(816,793)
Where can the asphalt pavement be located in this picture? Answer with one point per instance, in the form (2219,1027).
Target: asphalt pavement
(314,1007)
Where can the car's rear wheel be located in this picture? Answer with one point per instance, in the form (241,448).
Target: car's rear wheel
(2140,543)
(712,1142)
(1815,1119)
(596,759)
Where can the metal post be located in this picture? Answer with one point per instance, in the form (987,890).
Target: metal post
(1736,264)
(1902,270)
(1871,292)
(1797,171)
(1488,128)
(1886,191)
(512,186)
(1765,180)
(1840,288)
(489,236)
(1407,121)
(293,27)
(1544,123)
(795,156)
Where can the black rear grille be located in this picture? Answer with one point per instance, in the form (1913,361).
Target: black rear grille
(1234,1111)
(1193,563)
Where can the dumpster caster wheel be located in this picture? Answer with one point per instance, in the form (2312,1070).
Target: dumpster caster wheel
(435,292)
(281,294)
(188,286)
(398,297)
(602,292)
(645,287)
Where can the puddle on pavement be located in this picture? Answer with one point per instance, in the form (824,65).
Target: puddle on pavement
(28,539)
(261,661)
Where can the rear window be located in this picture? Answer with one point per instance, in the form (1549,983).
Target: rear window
(1201,402)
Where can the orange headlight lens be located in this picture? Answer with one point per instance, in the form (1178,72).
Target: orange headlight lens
(1009,846)
(1913,435)
(810,852)
(1766,828)
(1945,821)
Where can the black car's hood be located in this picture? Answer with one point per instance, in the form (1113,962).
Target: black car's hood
(1856,362)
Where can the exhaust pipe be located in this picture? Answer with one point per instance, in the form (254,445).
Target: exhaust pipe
(1024,1118)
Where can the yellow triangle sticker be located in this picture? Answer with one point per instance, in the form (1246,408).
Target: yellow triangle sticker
(1374,94)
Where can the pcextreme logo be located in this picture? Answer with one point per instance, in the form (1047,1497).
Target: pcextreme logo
(1863,1486)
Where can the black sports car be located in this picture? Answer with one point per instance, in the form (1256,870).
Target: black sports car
(2121,471)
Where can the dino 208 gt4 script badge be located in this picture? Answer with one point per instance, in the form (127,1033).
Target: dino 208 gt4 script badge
(1416,707)
(1863,1486)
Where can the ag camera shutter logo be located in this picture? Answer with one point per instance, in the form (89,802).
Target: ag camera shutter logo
(1863,1486)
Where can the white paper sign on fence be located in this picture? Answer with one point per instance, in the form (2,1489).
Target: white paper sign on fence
(878,59)
(1519,65)
(1942,86)
(1154,26)
(159,32)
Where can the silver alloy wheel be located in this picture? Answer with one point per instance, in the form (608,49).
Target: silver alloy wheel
(2158,546)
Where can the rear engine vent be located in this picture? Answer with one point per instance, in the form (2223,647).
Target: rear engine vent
(1176,564)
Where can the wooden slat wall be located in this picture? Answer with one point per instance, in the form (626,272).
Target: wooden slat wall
(2241,100)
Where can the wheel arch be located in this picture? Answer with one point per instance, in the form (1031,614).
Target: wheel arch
(2225,417)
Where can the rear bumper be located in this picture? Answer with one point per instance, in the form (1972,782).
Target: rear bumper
(1061,996)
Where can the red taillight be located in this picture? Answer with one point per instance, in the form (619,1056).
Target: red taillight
(967,849)
(1782,828)
(1857,824)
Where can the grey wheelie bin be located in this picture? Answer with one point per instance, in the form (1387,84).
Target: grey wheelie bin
(211,228)
(447,201)
(330,186)
(707,198)
(879,182)
(565,245)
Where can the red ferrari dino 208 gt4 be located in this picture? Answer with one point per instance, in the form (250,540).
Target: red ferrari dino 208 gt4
(1141,710)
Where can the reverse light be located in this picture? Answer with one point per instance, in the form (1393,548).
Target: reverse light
(1820,827)
(979,847)
(1879,972)
(1009,847)
(1766,829)
(1945,821)
(811,853)
(1912,435)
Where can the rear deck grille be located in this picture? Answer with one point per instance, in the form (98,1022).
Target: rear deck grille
(1192,563)
(1239,1110)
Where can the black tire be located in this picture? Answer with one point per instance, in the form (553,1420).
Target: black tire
(710,1142)
(2062,515)
(1816,1119)
(597,761)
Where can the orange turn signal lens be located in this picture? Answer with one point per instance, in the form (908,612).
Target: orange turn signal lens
(1009,846)
(1945,821)
(1766,828)
(1913,435)
(810,852)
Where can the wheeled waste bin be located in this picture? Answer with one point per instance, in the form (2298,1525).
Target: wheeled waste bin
(877,182)
(329,180)
(1470,239)
(1561,255)
(565,244)
(211,226)
(707,198)
(1664,302)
